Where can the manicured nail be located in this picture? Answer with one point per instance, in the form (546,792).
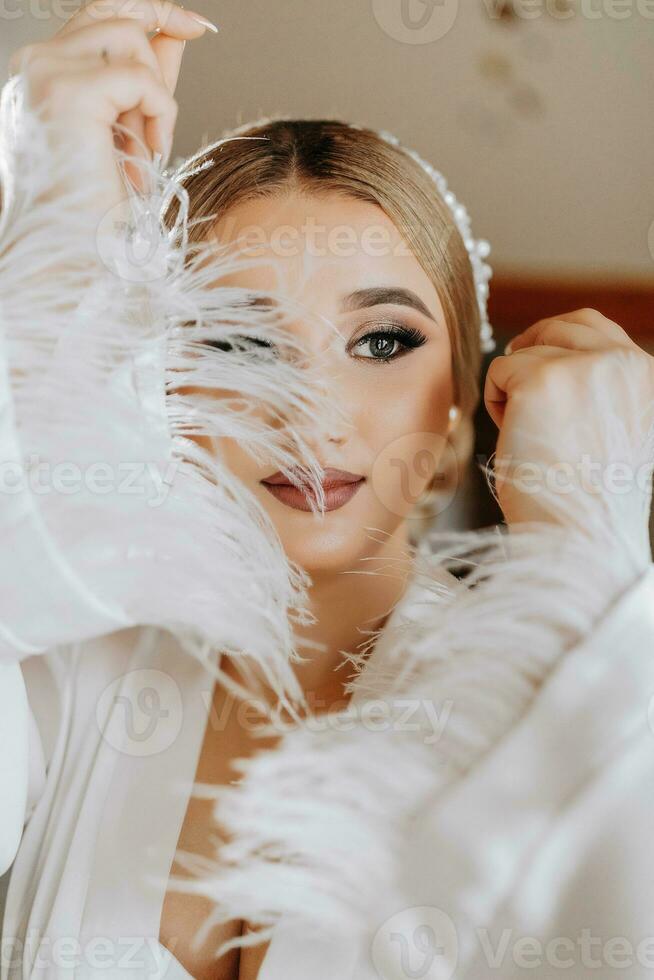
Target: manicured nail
(202,20)
(507,349)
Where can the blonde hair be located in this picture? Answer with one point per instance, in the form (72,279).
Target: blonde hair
(321,156)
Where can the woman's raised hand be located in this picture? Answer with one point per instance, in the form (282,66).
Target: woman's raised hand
(552,396)
(100,69)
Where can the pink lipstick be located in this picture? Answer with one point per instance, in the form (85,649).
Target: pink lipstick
(339,487)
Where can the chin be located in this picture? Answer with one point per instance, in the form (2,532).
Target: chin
(321,549)
(336,542)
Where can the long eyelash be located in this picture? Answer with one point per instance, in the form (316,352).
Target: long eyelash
(241,343)
(409,337)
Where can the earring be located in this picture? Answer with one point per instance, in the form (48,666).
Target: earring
(455,415)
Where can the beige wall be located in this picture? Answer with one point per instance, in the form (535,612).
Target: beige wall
(543,126)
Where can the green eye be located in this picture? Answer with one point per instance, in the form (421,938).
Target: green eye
(388,343)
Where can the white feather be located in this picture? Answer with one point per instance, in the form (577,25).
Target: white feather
(101,328)
(95,351)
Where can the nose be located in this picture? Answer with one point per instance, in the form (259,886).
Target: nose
(338,423)
(342,421)
(334,431)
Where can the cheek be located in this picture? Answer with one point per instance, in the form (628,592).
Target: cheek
(403,421)
(230,449)
(400,402)
(237,460)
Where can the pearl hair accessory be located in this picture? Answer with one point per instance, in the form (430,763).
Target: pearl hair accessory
(478,249)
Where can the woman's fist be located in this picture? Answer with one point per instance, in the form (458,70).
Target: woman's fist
(552,396)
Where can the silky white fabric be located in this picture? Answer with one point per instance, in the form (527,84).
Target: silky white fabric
(546,837)
(109,809)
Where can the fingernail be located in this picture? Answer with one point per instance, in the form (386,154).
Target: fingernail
(202,20)
(508,348)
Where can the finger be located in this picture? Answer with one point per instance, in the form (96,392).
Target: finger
(121,38)
(563,333)
(506,372)
(590,319)
(593,318)
(152,15)
(168,52)
(106,93)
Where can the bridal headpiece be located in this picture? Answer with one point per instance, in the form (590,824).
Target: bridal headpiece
(478,249)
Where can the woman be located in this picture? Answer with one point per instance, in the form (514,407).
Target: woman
(217,447)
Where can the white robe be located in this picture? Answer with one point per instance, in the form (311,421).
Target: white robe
(511,834)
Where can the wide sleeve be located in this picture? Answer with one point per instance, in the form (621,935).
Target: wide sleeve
(14,759)
(111,515)
(540,857)
(115,340)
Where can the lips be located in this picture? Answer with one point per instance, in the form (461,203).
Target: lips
(331,478)
(339,487)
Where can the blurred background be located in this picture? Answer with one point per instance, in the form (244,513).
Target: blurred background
(538,112)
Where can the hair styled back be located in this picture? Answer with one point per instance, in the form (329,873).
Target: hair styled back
(324,156)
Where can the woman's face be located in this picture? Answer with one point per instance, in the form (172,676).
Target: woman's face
(345,264)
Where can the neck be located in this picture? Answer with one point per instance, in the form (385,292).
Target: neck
(348,605)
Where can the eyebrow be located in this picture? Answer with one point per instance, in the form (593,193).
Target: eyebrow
(361,299)
(377,295)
